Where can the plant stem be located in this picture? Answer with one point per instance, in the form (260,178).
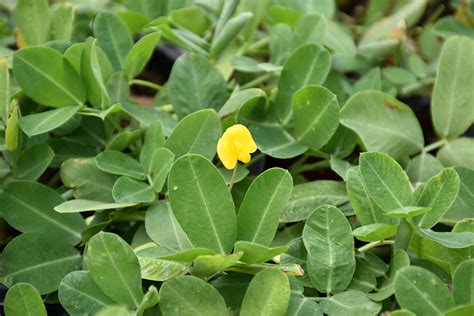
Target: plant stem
(435,145)
(374,244)
(232,180)
(257,81)
(147,84)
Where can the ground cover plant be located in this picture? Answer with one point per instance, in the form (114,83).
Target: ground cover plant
(208,157)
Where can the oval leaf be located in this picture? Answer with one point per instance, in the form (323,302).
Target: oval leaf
(23,299)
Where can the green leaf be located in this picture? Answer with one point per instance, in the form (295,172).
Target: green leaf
(303,306)
(408,211)
(118,90)
(113,37)
(157,269)
(398,76)
(79,205)
(38,259)
(262,206)
(453,99)
(238,99)
(23,299)
(188,255)
(194,19)
(230,30)
(115,310)
(458,152)
(33,161)
(387,184)
(188,295)
(329,242)
(150,8)
(364,278)
(127,190)
(32,20)
(4,90)
(256,253)
(316,116)
(195,84)
(370,81)
(47,77)
(87,181)
(422,167)
(383,123)
(116,162)
(449,239)
(462,310)
(92,75)
(140,53)
(62,22)
(208,265)
(374,232)
(197,133)
(154,138)
(161,165)
(307,65)
(194,178)
(79,294)
(28,207)
(306,197)
(43,122)
(12,130)
(150,299)
(350,303)
(439,193)
(413,294)
(114,268)
(462,206)
(163,228)
(463,287)
(311,28)
(268,294)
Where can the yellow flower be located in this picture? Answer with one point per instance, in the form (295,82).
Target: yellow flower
(235,144)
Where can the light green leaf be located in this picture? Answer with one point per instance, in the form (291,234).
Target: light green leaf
(79,205)
(32,20)
(150,8)
(307,65)
(113,37)
(197,133)
(28,207)
(463,287)
(306,197)
(311,28)
(302,306)
(256,253)
(43,122)
(449,239)
(413,294)
(268,294)
(33,161)
(161,165)
(12,130)
(329,242)
(370,81)
(188,295)
(208,265)
(262,206)
(47,77)
(163,228)
(118,163)
(188,255)
(408,211)
(79,294)
(364,278)
(140,53)
(156,269)
(374,232)
(195,84)
(62,22)
(462,310)
(439,193)
(462,206)
(4,90)
(45,263)
(87,181)
(114,268)
(387,184)
(383,123)
(194,178)
(193,18)
(23,299)
(236,100)
(230,30)
(452,106)
(154,138)
(459,152)
(422,167)
(316,116)
(350,303)
(128,190)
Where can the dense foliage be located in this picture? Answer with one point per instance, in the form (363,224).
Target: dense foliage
(359,200)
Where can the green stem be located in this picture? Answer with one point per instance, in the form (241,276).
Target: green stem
(232,180)
(435,145)
(374,244)
(147,84)
(257,81)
